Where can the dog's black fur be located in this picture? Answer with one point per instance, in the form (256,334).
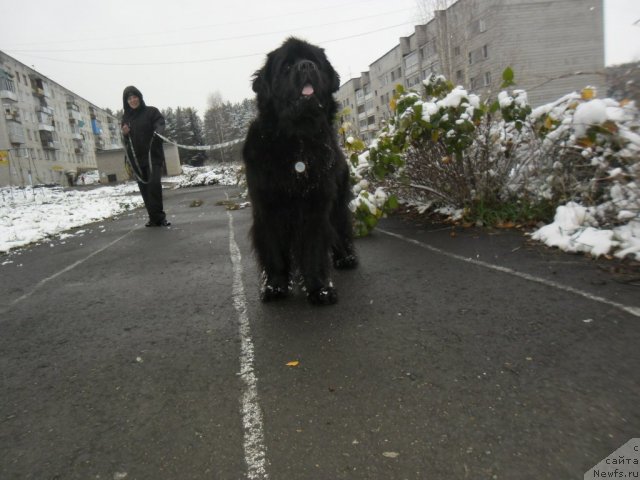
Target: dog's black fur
(297,176)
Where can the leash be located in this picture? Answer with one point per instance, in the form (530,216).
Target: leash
(133,160)
(200,147)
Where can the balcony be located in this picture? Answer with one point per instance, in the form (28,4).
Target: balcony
(45,109)
(50,144)
(16,133)
(74,116)
(96,126)
(46,126)
(78,146)
(99,143)
(8,95)
(12,115)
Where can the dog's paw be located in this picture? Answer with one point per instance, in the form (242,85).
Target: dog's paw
(323,296)
(345,263)
(269,293)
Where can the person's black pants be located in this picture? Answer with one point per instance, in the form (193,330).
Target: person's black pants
(152,193)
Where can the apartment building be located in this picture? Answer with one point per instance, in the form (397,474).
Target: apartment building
(553,46)
(346,98)
(48,134)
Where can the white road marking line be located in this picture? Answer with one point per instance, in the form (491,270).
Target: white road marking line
(549,283)
(254,449)
(65,270)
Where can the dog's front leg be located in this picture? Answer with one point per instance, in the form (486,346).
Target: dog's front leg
(314,246)
(273,254)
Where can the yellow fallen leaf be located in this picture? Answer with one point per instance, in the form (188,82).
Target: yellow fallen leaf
(295,363)
(585,142)
(588,93)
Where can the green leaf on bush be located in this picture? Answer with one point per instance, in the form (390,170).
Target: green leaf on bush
(507,78)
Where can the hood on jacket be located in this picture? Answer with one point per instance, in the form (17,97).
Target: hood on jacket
(131,90)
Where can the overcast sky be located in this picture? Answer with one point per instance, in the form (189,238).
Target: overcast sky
(178,53)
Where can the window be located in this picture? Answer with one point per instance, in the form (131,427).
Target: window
(6,83)
(487,79)
(459,76)
(413,81)
(371,120)
(456,51)
(478,54)
(478,26)
(411,63)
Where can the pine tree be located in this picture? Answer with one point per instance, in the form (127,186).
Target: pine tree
(170,123)
(196,158)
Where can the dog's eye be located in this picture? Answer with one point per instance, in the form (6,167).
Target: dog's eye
(286,67)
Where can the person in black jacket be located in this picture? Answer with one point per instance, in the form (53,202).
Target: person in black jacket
(144,151)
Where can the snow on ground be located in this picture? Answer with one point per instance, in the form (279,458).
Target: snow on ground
(29,215)
(570,231)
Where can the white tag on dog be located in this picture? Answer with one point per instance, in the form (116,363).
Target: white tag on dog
(300,167)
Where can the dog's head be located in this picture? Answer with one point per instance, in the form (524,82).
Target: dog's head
(297,80)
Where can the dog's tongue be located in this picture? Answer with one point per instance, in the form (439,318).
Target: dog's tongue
(307,90)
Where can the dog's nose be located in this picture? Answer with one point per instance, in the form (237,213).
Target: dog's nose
(306,66)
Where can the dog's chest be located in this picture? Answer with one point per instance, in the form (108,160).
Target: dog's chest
(306,167)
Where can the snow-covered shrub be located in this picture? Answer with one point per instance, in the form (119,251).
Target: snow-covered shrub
(368,205)
(447,148)
(591,157)
(591,154)
(228,174)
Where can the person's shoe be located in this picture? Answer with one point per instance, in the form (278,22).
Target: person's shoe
(164,223)
(150,224)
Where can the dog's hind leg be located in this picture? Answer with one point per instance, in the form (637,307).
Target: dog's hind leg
(343,251)
(313,261)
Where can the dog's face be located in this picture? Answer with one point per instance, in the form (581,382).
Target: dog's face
(296,78)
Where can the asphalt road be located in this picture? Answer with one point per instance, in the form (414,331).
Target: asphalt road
(143,353)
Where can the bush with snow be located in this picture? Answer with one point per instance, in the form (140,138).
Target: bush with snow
(368,205)
(224,174)
(447,149)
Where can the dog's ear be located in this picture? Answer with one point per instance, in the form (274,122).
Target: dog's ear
(259,85)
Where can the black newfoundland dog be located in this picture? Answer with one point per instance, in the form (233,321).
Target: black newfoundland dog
(297,177)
